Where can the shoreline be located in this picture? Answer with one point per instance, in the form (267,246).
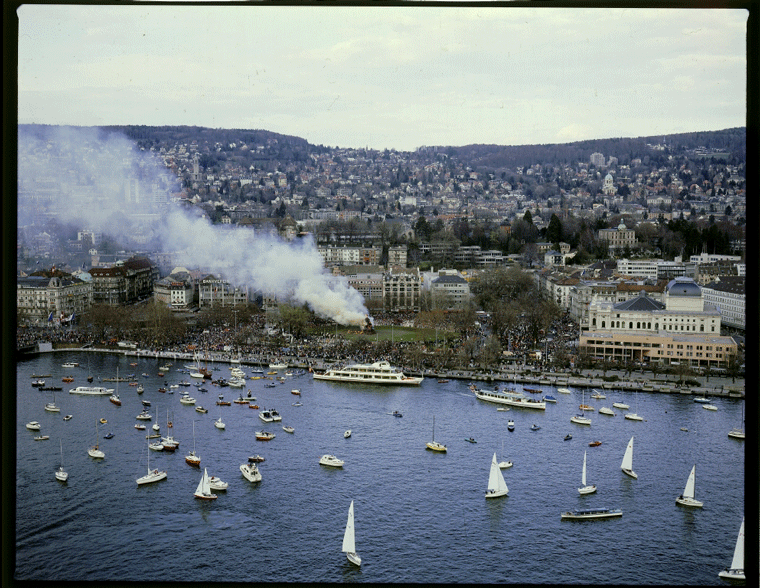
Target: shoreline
(641,383)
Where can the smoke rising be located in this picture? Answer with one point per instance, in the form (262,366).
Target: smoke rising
(100,181)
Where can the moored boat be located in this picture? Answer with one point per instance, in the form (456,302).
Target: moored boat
(331,460)
(379,372)
(510,398)
(591,513)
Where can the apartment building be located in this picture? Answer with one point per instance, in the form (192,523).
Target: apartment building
(45,299)
(727,293)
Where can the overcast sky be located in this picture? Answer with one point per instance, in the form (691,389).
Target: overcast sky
(386,77)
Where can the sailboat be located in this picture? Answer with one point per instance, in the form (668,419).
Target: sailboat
(581,418)
(627,465)
(218,423)
(114,398)
(738,432)
(585,489)
(349,541)
(633,416)
(203,491)
(152,475)
(496,484)
(193,458)
(687,498)
(61,474)
(95,451)
(506,463)
(52,406)
(736,571)
(434,445)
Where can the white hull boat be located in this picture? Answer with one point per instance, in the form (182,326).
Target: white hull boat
(627,464)
(331,460)
(736,571)
(349,539)
(496,484)
(379,372)
(203,491)
(153,475)
(585,489)
(687,498)
(250,472)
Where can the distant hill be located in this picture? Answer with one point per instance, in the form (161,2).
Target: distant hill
(264,148)
(732,141)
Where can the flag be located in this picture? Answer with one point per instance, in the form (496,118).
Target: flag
(50,317)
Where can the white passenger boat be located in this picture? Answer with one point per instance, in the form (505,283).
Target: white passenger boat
(592,513)
(379,372)
(510,398)
(91,391)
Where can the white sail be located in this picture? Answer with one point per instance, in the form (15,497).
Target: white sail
(583,475)
(738,562)
(688,491)
(496,481)
(628,457)
(349,543)
(199,489)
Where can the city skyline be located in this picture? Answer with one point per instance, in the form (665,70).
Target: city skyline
(386,77)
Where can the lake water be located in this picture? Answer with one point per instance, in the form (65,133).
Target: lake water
(420,516)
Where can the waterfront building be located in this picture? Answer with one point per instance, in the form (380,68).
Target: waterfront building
(50,297)
(449,291)
(682,329)
(175,290)
(401,290)
(213,291)
(124,282)
(727,293)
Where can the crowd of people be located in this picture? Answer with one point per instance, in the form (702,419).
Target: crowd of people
(255,341)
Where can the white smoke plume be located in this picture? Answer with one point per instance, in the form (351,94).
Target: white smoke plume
(92,180)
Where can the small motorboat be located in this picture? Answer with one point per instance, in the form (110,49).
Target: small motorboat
(256,459)
(709,407)
(568,437)
(397,413)
(502,409)
(67,379)
(702,400)
(347,434)
(255,406)
(294,404)
(295,391)
(443,381)
(595,444)
(470,440)
(199,408)
(684,429)
(264,436)
(145,402)
(109,436)
(42,437)
(216,484)
(288,429)
(549,398)
(103,421)
(68,417)
(534,428)
(510,425)
(139,427)
(331,460)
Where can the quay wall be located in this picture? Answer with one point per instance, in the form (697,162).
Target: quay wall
(720,386)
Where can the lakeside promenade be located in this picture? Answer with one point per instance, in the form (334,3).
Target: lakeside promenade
(638,381)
